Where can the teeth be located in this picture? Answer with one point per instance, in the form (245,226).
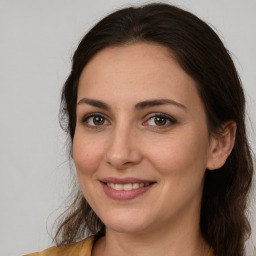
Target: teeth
(119,187)
(128,186)
(135,185)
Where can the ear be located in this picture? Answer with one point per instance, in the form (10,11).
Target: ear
(221,145)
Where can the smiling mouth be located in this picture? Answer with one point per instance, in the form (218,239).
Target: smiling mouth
(126,189)
(128,186)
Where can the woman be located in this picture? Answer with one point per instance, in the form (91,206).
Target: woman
(155,114)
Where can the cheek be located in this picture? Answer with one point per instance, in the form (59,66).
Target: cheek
(184,154)
(87,154)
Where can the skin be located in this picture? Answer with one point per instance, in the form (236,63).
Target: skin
(128,142)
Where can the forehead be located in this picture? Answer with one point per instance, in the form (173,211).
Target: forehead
(134,60)
(136,71)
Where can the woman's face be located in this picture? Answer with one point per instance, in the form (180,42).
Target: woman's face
(141,143)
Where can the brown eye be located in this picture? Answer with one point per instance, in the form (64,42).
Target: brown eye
(98,120)
(95,120)
(160,121)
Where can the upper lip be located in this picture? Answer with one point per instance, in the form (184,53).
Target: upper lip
(125,180)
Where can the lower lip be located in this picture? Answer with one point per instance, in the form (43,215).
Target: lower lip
(125,194)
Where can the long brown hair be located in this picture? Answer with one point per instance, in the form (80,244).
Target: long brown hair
(202,55)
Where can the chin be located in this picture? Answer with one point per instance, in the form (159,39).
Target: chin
(126,228)
(124,223)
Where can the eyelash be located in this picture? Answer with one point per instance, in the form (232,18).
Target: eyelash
(170,120)
(93,115)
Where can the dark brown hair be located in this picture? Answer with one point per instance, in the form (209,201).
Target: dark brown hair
(202,55)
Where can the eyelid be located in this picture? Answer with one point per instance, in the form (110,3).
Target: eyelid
(93,114)
(171,119)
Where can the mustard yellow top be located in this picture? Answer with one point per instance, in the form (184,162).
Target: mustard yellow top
(82,248)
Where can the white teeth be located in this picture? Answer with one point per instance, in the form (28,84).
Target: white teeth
(135,185)
(119,187)
(128,186)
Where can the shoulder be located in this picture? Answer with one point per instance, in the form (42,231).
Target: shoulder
(83,248)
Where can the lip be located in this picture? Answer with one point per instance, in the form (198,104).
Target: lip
(125,180)
(125,194)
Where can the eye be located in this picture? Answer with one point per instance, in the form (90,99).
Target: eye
(94,120)
(160,120)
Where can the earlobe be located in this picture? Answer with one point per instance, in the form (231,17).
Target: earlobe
(221,146)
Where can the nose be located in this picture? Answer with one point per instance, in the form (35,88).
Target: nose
(123,149)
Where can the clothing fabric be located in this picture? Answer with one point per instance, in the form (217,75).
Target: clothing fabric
(82,248)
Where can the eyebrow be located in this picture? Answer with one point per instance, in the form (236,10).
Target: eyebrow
(138,106)
(158,102)
(95,103)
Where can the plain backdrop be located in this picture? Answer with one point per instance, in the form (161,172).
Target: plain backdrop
(37,39)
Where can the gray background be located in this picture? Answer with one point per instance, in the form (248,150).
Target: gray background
(37,39)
